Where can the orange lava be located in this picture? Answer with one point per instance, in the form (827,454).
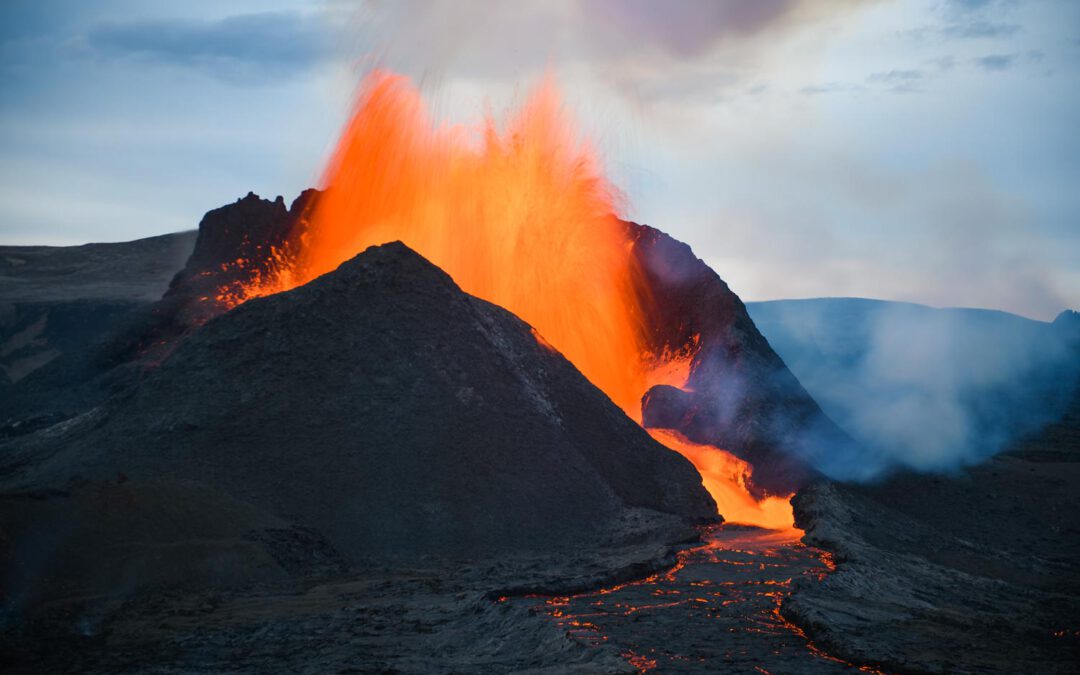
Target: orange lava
(519,214)
(725,477)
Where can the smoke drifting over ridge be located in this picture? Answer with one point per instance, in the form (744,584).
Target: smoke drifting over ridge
(922,388)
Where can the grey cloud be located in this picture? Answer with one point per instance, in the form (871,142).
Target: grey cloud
(829,88)
(943,63)
(959,8)
(993,62)
(895,76)
(967,5)
(977,19)
(996,62)
(649,51)
(980,29)
(899,81)
(244,46)
(22,19)
(970,20)
(964,30)
(690,27)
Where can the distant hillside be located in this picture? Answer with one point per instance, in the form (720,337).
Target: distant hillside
(928,388)
(59,305)
(137,270)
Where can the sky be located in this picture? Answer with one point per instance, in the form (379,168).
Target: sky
(916,150)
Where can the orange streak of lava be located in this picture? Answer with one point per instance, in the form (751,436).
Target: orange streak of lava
(724,476)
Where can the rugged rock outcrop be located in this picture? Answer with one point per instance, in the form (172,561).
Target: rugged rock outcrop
(375,411)
(740,395)
(237,244)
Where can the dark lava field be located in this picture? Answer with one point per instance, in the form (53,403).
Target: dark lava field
(378,472)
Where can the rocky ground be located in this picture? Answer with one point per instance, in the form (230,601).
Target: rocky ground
(701,607)
(421,615)
(974,572)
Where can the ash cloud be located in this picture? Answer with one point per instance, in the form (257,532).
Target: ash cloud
(688,28)
(653,51)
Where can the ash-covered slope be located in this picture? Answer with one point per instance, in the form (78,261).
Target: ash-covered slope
(378,410)
(740,395)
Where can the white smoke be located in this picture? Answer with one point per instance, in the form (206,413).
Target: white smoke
(922,388)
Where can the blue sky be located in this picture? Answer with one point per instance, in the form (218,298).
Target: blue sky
(920,150)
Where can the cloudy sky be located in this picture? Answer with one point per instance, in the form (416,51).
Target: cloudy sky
(921,150)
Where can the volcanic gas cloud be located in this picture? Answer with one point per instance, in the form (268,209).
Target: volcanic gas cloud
(521,215)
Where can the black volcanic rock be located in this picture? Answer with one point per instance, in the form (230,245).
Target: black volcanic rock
(740,395)
(375,411)
(237,244)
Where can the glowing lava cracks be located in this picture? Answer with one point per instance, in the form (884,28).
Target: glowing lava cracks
(520,216)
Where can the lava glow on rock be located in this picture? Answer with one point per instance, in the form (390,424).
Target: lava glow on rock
(519,214)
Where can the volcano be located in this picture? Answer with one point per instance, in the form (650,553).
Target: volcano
(455,351)
(520,214)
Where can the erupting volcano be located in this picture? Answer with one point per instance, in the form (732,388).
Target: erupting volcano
(452,410)
(519,214)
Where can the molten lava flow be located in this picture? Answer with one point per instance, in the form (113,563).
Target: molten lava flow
(520,216)
(725,476)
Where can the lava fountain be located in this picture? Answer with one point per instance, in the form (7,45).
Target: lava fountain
(520,215)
